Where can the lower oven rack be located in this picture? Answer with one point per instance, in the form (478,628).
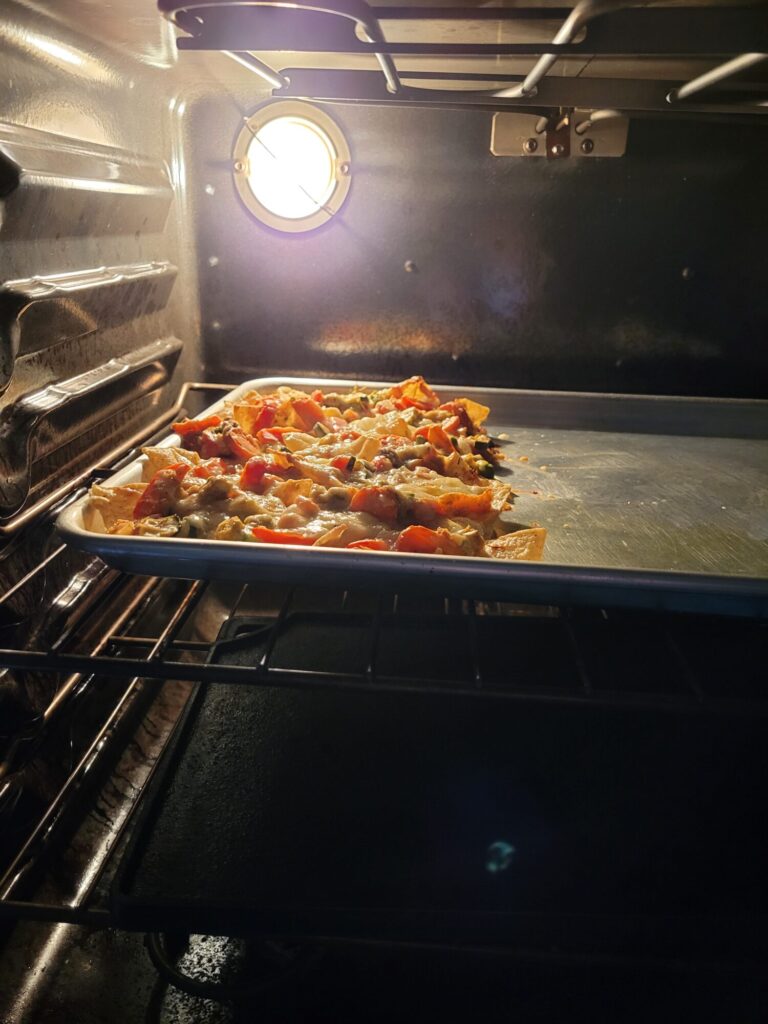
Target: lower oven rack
(670,667)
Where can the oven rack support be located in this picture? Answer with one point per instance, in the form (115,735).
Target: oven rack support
(592,28)
(121,454)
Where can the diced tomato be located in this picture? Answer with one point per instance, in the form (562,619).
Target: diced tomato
(346,463)
(381,502)
(336,423)
(267,536)
(211,467)
(384,406)
(308,411)
(318,396)
(240,444)
(452,425)
(196,426)
(256,414)
(209,445)
(265,419)
(373,544)
(252,476)
(460,418)
(381,464)
(161,491)
(420,540)
(350,435)
(393,441)
(472,506)
(274,435)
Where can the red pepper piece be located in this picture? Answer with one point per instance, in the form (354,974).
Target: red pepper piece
(381,502)
(421,540)
(196,426)
(240,444)
(372,544)
(267,536)
(161,491)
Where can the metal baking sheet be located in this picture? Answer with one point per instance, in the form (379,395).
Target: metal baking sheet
(648,501)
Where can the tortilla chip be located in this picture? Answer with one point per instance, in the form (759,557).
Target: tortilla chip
(161,458)
(476,412)
(290,490)
(109,504)
(246,414)
(522,545)
(297,441)
(124,527)
(336,537)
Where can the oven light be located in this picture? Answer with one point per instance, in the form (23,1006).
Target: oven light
(292,166)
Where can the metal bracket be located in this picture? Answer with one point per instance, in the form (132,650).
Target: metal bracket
(41,421)
(581,133)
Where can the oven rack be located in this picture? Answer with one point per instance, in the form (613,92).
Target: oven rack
(125,655)
(80,657)
(591,29)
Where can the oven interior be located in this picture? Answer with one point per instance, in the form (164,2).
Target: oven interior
(309,800)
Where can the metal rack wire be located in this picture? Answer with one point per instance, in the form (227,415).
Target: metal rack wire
(592,28)
(124,655)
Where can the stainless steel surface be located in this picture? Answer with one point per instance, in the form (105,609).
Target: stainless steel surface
(44,420)
(23,518)
(608,131)
(43,311)
(616,480)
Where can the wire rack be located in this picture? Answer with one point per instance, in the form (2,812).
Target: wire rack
(725,36)
(485,638)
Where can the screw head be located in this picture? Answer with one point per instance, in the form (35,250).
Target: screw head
(587,145)
(239,166)
(344,168)
(558,149)
(409,267)
(530,145)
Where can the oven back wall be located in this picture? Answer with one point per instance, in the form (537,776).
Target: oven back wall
(644,273)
